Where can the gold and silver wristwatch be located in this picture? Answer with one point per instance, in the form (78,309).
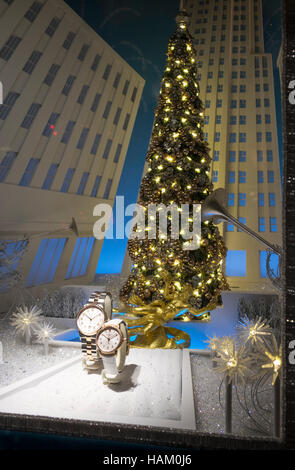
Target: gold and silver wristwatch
(112,343)
(96,311)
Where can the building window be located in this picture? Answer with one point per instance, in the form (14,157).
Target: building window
(266,102)
(8,104)
(243,104)
(231,176)
(220,88)
(107,149)
(48,80)
(257,87)
(236,263)
(126,122)
(80,257)
(210,74)
(107,72)
(242,220)
(6,164)
(232,156)
(207,104)
(68,41)
(46,261)
(258,102)
(117,80)
(217,136)
(68,131)
(243,120)
(9,47)
(243,74)
(242,199)
(95,144)
(82,138)
(258,119)
(29,172)
(215,176)
(242,177)
(272,199)
(273,224)
(267,119)
(96,186)
(259,155)
(234,88)
(216,156)
(233,104)
(230,228)
(107,110)
(67,181)
(52,27)
(95,62)
(118,153)
(260,176)
(258,136)
(242,156)
(243,137)
(50,126)
(219,104)
(261,224)
(231,199)
(50,176)
(83,94)
(108,189)
(234,75)
(265,73)
(270,176)
(68,85)
(265,87)
(242,88)
(206,136)
(218,119)
(83,52)
(268,137)
(260,199)
(83,183)
(206,120)
(33,11)
(232,137)
(273,263)
(269,155)
(209,88)
(32,62)
(117,116)
(220,73)
(30,116)
(95,103)
(134,93)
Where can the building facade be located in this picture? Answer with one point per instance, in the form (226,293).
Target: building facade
(237,89)
(69,107)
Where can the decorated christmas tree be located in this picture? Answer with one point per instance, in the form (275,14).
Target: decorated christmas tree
(166,278)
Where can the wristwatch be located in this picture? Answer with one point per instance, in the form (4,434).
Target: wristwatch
(90,319)
(112,342)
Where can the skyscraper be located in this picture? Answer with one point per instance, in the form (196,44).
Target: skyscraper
(70,103)
(237,89)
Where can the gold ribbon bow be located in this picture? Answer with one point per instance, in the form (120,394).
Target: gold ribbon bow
(147,320)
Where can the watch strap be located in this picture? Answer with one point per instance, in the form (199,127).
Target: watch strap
(114,364)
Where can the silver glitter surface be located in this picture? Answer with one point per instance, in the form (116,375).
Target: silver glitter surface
(252,410)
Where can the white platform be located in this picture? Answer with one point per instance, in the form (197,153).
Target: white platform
(156,390)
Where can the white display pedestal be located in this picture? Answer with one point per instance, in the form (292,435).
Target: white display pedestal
(156,390)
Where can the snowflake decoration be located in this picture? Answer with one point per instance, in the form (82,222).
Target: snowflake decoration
(26,319)
(274,353)
(253,331)
(45,332)
(212,342)
(233,362)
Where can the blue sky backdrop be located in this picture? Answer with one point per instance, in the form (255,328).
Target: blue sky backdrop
(139,31)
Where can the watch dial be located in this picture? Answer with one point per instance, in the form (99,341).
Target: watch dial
(108,340)
(90,321)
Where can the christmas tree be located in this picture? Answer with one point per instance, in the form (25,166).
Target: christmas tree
(166,278)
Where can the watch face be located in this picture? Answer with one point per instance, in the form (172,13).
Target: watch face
(90,320)
(108,340)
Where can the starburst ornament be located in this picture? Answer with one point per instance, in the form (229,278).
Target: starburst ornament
(45,332)
(253,331)
(26,320)
(274,353)
(233,362)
